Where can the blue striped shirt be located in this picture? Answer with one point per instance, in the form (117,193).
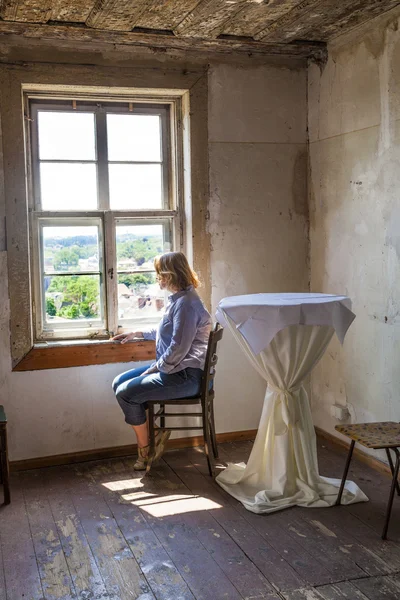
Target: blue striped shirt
(182,335)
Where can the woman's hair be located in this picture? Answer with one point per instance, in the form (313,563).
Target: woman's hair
(176,270)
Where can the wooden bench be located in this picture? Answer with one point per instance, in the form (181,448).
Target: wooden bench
(4,465)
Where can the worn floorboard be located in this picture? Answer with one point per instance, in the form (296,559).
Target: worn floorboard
(101,531)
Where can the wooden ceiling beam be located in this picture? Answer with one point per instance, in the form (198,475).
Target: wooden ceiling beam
(115,15)
(78,34)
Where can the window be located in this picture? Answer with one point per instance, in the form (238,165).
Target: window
(104,203)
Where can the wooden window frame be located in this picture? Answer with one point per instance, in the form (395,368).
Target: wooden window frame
(169,215)
(189,88)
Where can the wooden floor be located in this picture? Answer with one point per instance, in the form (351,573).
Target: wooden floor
(100,531)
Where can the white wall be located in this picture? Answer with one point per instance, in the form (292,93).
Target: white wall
(258,210)
(258,226)
(354,128)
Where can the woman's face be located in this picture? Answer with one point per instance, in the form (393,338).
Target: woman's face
(161,281)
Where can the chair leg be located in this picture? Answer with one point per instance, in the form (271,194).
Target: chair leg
(390,461)
(206,435)
(391,495)
(5,468)
(346,470)
(151,429)
(213,436)
(162,418)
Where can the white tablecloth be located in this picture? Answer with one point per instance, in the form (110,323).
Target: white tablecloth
(284,336)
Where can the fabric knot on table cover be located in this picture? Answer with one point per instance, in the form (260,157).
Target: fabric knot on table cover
(286,409)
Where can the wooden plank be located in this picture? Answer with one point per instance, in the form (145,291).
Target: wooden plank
(244,575)
(3,595)
(218,46)
(161,574)
(19,561)
(167,517)
(362,12)
(30,11)
(330,18)
(341,591)
(118,15)
(276,29)
(378,588)
(254,18)
(54,574)
(118,451)
(274,568)
(208,18)
(302,594)
(307,566)
(81,563)
(71,11)
(81,355)
(120,572)
(165,14)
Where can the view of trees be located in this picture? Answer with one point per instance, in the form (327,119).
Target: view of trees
(78,296)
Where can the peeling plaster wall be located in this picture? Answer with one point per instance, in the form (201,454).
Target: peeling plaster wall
(257,224)
(354,128)
(258,217)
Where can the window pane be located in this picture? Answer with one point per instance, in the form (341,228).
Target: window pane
(139,296)
(72,299)
(66,136)
(138,245)
(135,187)
(66,186)
(134,137)
(70,249)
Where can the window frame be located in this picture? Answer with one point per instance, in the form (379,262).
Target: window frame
(172,212)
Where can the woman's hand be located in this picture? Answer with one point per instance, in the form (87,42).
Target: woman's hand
(127,337)
(150,370)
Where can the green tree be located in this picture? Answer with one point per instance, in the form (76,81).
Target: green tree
(136,279)
(66,258)
(80,295)
(51,307)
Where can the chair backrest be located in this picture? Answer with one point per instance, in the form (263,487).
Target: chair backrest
(207,386)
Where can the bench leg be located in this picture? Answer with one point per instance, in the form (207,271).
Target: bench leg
(346,470)
(390,461)
(391,495)
(5,469)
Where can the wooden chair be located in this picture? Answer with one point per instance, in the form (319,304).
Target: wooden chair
(378,436)
(4,465)
(205,400)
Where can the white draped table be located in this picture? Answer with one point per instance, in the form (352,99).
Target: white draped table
(284,336)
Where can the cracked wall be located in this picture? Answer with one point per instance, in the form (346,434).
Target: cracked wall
(354,129)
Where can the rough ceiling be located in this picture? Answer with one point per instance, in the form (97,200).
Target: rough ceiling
(261,26)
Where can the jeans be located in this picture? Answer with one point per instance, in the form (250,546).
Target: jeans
(133,390)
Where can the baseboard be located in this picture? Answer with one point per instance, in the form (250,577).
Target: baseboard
(369,460)
(120,451)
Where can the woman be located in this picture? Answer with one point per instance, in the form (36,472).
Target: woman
(181,347)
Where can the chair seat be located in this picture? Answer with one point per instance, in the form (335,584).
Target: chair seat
(373,435)
(3,418)
(196,400)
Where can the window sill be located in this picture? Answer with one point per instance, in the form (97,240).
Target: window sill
(60,355)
